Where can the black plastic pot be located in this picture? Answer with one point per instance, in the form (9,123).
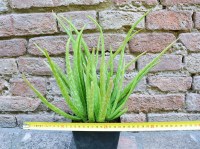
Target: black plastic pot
(96,140)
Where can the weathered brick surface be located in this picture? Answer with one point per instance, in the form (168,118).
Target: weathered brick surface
(193,102)
(8,66)
(174,84)
(55,45)
(7,121)
(36,66)
(41,117)
(131,117)
(77,2)
(53,87)
(3,84)
(179,2)
(196,83)
(14,47)
(128,58)
(79,19)
(142,85)
(61,104)
(124,2)
(19,4)
(151,42)
(25,4)
(192,63)
(167,62)
(27,24)
(155,103)
(6,28)
(34,24)
(19,88)
(169,20)
(119,19)
(23,104)
(155,117)
(3,6)
(197,20)
(111,40)
(191,41)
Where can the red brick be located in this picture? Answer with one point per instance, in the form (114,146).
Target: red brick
(131,117)
(173,84)
(111,40)
(55,45)
(34,24)
(61,104)
(80,18)
(77,2)
(19,4)
(169,20)
(128,58)
(23,104)
(167,62)
(13,47)
(197,20)
(36,66)
(27,24)
(154,117)
(155,103)
(25,4)
(19,88)
(6,28)
(191,41)
(151,42)
(193,102)
(179,2)
(125,2)
(8,66)
(118,19)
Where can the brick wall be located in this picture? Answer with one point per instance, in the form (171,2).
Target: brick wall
(170,92)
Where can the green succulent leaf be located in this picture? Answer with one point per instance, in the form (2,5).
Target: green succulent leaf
(48,104)
(94,96)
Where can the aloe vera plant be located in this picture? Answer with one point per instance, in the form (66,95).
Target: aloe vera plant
(90,97)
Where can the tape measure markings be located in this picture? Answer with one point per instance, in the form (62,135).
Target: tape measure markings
(143,126)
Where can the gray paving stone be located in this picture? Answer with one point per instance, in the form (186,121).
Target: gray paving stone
(41,140)
(15,138)
(5,140)
(32,139)
(169,140)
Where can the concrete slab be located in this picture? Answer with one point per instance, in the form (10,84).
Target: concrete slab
(16,138)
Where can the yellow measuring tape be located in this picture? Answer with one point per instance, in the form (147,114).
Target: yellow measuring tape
(143,126)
